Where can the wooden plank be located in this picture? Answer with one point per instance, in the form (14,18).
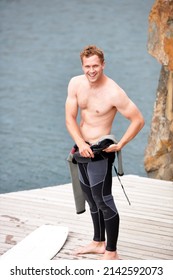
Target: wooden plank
(146,228)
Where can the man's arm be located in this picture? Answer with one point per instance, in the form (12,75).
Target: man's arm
(129,110)
(71,109)
(132,113)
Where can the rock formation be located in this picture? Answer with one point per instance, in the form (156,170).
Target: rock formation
(158,160)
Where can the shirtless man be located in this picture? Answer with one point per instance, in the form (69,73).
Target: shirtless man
(99,98)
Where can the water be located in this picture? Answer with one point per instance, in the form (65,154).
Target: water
(40,43)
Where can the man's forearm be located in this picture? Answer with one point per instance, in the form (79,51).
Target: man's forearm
(74,131)
(131,132)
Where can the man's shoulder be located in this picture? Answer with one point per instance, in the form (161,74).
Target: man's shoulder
(76,83)
(77,79)
(114,87)
(112,82)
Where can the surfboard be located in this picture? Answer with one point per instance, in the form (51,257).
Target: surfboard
(41,244)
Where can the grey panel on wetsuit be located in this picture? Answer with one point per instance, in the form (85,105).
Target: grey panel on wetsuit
(77,191)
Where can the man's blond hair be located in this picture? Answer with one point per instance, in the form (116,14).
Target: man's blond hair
(92,50)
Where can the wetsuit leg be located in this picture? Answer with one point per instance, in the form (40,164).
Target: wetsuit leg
(98,175)
(96,214)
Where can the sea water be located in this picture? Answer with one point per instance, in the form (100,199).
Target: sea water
(40,42)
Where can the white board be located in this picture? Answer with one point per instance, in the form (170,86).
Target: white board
(41,244)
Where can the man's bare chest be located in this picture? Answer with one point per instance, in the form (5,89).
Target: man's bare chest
(95,103)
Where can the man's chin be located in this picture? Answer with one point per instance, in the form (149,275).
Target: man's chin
(92,79)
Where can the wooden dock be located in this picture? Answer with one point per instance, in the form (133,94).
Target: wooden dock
(146,227)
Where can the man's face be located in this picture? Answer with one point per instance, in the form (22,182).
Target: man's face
(93,68)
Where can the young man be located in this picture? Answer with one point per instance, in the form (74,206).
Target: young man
(99,98)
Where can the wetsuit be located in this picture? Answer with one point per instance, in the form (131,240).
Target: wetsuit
(96,182)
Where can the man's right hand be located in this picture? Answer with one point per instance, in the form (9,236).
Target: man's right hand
(85,150)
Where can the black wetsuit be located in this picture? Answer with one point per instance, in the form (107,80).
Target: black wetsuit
(96,182)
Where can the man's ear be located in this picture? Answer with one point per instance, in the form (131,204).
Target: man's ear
(103,65)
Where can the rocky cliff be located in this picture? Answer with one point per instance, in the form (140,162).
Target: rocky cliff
(158,160)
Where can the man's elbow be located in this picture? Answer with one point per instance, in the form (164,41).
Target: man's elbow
(69,120)
(141,122)
(67,123)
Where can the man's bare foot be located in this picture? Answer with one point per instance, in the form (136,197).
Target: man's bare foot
(93,248)
(108,255)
